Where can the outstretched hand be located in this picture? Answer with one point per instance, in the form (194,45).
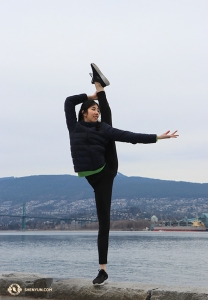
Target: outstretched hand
(168,135)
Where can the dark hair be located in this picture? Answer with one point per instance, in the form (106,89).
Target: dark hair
(85,105)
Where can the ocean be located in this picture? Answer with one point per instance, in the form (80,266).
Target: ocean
(165,258)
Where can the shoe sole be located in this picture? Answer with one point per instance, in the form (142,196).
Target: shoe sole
(104,79)
(103,283)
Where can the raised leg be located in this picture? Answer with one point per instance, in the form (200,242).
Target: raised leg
(106,116)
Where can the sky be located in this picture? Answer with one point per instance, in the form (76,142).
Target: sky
(154,54)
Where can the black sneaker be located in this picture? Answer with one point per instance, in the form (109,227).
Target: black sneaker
(101,279)
(98,76)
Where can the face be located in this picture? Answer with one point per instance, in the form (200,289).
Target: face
(92,114)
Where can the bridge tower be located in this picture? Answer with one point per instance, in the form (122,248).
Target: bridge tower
(24,216)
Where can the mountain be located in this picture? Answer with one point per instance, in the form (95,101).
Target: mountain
(5,178)
(69,187)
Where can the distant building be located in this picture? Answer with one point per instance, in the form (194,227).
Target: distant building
(204,219)
(154,219)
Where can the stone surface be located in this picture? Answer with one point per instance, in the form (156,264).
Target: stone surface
(171,295)
(19,298)
(82,289)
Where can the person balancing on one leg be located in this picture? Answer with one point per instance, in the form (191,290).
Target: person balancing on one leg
(94,156)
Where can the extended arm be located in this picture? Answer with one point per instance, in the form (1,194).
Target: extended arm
(128,136)
(69,108)
(134,138)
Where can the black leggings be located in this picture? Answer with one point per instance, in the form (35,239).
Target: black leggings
(102,183)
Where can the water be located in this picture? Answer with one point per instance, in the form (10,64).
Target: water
(150,257)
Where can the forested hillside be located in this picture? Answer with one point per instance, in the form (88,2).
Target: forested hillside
(68,187)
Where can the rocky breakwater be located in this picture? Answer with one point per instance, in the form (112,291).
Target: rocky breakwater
(27,286)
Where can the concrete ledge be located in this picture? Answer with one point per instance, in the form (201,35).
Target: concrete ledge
(38,286)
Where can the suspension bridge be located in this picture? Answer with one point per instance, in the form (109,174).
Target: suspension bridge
(24,217)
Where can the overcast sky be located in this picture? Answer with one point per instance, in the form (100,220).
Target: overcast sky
(154,54)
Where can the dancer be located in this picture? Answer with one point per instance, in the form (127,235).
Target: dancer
(94,153)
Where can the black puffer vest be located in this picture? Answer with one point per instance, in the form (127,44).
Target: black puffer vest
(88,146)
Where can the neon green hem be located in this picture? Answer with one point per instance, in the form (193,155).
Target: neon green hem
(88,173)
